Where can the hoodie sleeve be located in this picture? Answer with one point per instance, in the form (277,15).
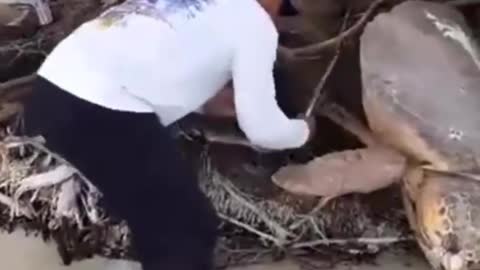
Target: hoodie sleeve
(258,113)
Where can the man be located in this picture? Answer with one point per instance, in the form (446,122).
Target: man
(106,94)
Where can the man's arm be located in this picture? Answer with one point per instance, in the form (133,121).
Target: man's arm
(258,113)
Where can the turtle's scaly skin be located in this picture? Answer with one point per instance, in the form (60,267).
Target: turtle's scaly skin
(444,211)
(421,78)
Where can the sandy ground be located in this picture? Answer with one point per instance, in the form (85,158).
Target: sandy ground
(18,252)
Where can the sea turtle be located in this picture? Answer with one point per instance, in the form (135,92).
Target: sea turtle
(421,95)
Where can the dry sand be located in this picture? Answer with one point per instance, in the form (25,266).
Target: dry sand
(19,252)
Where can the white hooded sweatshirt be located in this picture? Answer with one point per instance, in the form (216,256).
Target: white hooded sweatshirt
(171,56)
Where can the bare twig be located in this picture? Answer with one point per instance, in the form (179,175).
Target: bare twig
(460,3)
(14,206)
(34,45)
(368,241)
(318,47)
(11,141)
(281,232)
(249,228)
(49,178)
(317,92)
(17,82)
(88,202)
(9,109)
(321,203)
(42,9)
(232,138)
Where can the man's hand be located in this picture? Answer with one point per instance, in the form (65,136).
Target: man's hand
(312,125)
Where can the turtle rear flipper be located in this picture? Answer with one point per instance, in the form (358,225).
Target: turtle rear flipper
(335,174)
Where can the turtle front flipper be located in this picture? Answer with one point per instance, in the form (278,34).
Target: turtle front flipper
(335,174)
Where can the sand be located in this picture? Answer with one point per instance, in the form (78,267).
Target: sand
(20,252)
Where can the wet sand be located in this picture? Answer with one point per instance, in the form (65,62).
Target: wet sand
(20,252)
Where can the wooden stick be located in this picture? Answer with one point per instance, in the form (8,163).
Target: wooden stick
(17,82)
(371,241)
(317,92)
(316,48)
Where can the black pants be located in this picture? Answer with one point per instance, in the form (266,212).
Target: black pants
(135,163)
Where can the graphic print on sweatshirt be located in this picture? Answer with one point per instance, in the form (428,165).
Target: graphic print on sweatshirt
(156,9)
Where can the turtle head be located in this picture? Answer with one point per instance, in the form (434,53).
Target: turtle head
(447,256)
(447,219)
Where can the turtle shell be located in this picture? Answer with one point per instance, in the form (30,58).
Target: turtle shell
(421,84)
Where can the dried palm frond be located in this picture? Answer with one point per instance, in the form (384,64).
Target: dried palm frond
(41,193)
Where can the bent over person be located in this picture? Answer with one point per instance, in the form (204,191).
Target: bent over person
(106,94)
